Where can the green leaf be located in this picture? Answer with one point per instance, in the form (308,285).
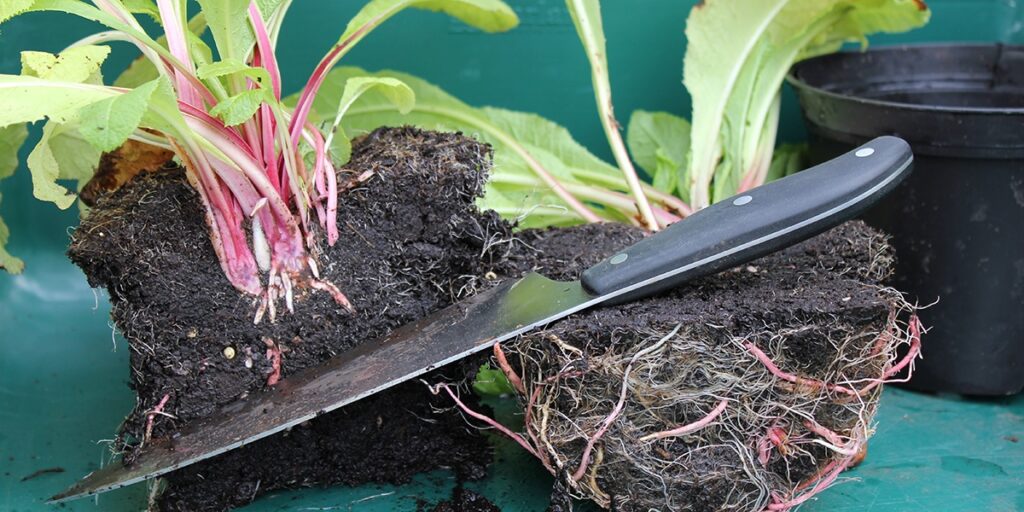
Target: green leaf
(61,154)
(11,139)
(7,261)
(738,53)
(232,67)
(486,15)
(239,108)
(27,99)
(106,124)
(788,159)
(147,7)
(229,24)
(76,64)
(515,190)
(659,142)
(12,8)
(491,381)
(391,89)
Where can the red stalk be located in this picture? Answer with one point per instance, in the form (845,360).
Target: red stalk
(265,48)
(174,30)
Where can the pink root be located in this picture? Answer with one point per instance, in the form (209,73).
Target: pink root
(497,426)
(274,354)
(151,415)
(789,377)
(915,350)
(843,447)
(691,427)
(510,374)
(339,297)
(764,450)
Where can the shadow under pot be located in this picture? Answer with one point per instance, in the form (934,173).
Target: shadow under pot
(958,221)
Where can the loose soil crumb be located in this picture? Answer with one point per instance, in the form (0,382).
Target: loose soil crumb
(465,500)
(41,472)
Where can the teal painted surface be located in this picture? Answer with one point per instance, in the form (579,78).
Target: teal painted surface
(63,373)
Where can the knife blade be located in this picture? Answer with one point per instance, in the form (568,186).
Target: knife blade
(730,232)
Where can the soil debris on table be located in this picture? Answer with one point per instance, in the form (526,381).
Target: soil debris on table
(464,500)
(41,472)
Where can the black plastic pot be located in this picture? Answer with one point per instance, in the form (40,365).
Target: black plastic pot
(958,221)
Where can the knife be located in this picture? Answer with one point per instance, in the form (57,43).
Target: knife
(730,232)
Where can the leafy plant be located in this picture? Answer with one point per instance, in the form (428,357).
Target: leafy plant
(543,177)
(531,153)
(737,56)
(241,146)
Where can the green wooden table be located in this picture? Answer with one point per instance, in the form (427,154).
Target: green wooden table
(63,373)
(62,391)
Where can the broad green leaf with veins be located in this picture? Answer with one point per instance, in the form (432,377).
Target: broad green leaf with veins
(486,15)
(229,24)
(659,141)
(62,154)
(738,53)
(27,99)
(239,108)
(76,64)
(391,89)
(108,123)
(12,8)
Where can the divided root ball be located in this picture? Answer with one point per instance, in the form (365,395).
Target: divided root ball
(750,390)
(412,242)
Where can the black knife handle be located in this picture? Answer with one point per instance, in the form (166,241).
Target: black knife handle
(754,223)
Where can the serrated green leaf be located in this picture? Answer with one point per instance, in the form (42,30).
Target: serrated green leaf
(391,89)
(76,64)
(231,67)
(108,123)
(12,8)
(658,142)
(239,108)
(61,154)
(229,23)
(491,381)
(486,15)
(27,99)
(147,7)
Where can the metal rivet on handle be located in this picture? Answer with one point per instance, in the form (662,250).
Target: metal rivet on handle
(863,152)
(742,200)
(618,258)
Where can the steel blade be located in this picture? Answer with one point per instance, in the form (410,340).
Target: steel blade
(469,326)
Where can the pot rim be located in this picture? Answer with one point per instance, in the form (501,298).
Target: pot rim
(793,78)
